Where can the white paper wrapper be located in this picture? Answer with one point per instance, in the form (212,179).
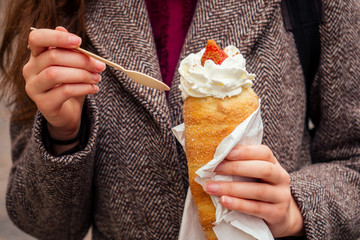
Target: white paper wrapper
(230,225)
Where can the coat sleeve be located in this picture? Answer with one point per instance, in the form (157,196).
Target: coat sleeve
(328,191)
(50,197)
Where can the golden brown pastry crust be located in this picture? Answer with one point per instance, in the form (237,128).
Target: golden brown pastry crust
(207,122)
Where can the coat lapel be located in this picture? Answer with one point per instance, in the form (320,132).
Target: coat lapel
(121,32)
(229,22)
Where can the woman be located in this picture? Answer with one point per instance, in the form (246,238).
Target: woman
(100,152)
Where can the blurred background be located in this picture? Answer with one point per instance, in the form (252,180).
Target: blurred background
(8,231)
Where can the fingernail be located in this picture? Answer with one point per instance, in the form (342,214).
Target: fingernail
(96,77)
(74,40)
(226,200)
(96,88)
(100,66)
(211,188)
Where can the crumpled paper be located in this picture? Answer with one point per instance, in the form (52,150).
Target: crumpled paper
(229,225)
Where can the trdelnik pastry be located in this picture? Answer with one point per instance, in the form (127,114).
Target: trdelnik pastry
(218,96)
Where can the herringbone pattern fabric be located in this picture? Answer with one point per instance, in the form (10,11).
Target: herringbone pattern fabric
(130,180)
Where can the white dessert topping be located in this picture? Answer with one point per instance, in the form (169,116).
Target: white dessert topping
(214,80)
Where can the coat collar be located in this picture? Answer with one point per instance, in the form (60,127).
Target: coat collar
(121,32)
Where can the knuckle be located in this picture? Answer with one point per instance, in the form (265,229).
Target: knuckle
(86,61)
(32,37)
(268,171)
(244,148)
(287,197)
(286,178)
(265,147)
(28,89)
(237,204)
(269,155)
(25,71)
(287,194)
(225,188)
(257,209)
(229,189)
(83,76)
(268,152)
(229,167)
(50,73)
(58,38)
(53,54)
(66,90)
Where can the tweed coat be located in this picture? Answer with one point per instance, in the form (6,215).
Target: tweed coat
(130,179)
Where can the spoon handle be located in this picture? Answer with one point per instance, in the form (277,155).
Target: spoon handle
(90,54)
(138,77)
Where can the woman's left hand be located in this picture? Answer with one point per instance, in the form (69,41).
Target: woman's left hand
(268,198)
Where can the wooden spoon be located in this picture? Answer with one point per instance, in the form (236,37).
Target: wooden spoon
(138,77)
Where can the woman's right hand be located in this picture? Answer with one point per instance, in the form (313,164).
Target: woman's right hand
(58,79)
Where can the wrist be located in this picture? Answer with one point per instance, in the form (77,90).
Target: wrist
(58,134)
(297,226)
(67,141)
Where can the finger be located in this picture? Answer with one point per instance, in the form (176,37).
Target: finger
(54,76)
(245,190)
(52,100)
(266,171)
(251,152)
(251,207)
(67,58)
(41,39)
(60,28)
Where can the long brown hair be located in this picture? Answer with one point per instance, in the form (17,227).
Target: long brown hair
(19,17)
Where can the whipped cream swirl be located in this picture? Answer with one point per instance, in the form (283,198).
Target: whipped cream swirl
(219,81)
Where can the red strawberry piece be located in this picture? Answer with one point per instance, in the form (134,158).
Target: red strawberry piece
(214,53)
